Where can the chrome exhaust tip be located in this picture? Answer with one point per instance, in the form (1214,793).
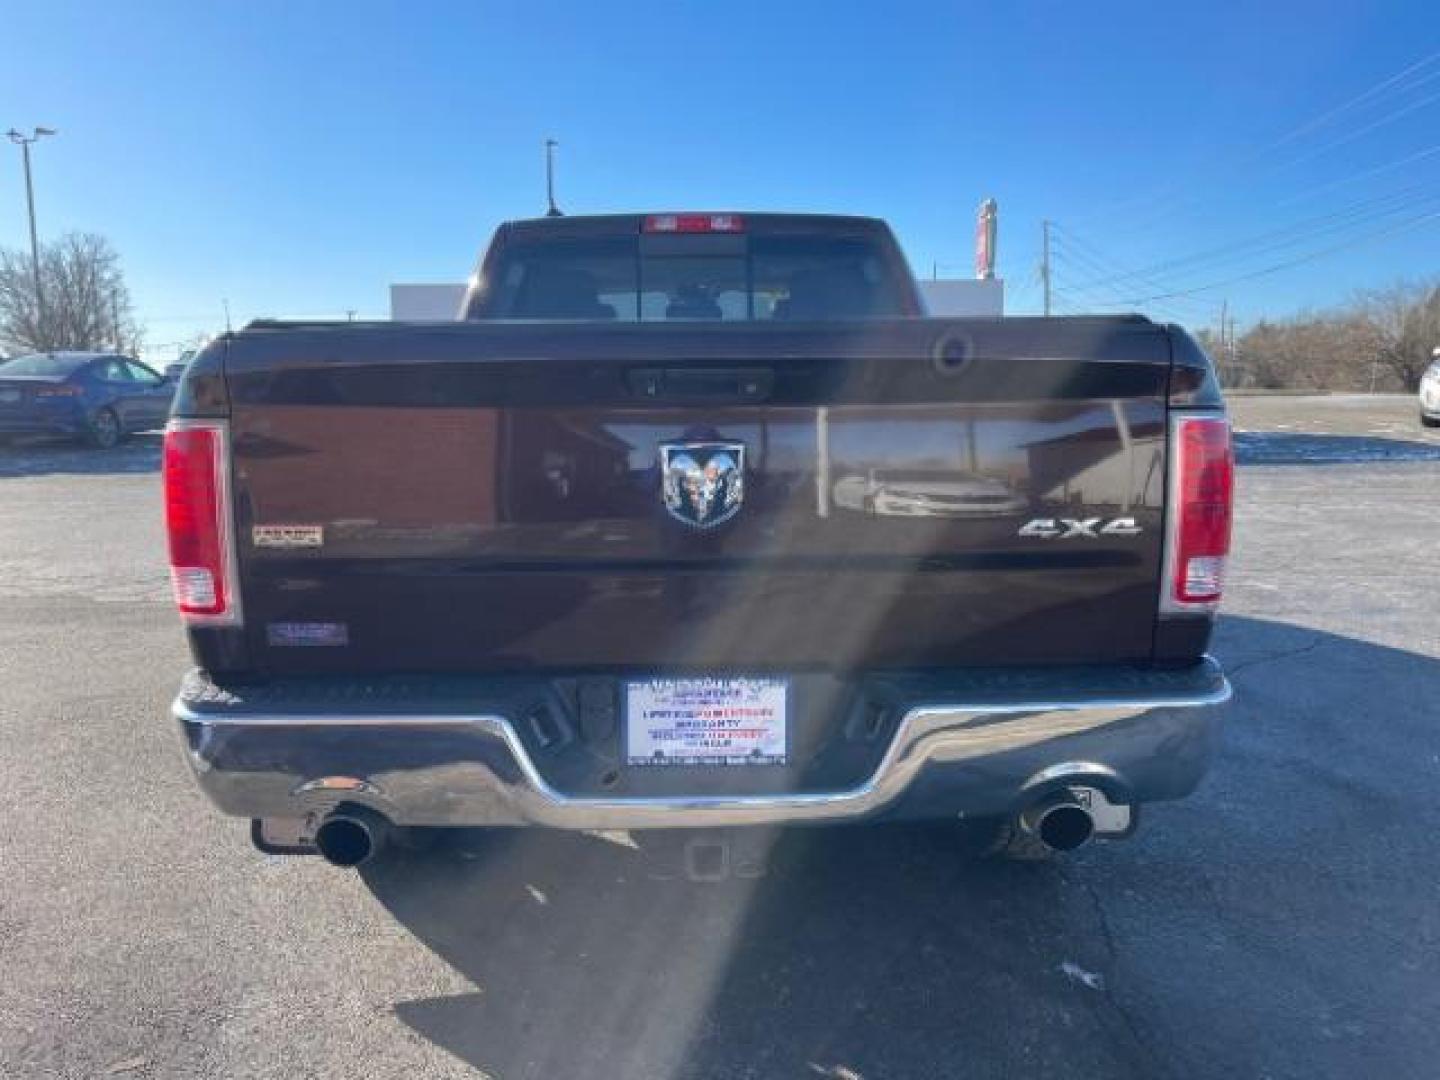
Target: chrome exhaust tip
(1060,822)
(351,837)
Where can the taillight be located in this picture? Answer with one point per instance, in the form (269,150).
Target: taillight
(198,521)
(1202,493)
(694,223)
(64,390)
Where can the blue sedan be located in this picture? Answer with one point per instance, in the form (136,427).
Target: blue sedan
(98,397)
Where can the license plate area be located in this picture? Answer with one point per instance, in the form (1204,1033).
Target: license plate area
(687,722)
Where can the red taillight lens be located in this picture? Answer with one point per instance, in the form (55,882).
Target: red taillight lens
(197,521)
(694,223)
(63,391)
(1204,492)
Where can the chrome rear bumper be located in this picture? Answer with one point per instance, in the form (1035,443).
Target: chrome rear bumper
(988,752)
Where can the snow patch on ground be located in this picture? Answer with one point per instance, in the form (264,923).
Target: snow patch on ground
(1284,448)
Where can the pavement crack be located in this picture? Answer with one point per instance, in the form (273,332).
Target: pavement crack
(1152,1065)
(1107,935)
(1309,647)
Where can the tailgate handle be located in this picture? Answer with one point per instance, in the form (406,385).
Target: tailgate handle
(702,384)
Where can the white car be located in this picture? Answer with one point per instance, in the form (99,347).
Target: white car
(1430,393)
(921,494)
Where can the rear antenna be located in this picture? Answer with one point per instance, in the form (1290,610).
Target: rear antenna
(554,211)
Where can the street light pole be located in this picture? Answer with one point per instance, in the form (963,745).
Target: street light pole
(24,143)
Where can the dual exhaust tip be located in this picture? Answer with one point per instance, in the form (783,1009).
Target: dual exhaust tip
(352,836)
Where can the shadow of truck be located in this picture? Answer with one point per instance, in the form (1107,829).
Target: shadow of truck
(1281,921)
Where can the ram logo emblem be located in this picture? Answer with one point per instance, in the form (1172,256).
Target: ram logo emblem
(702,483)
(1084,528)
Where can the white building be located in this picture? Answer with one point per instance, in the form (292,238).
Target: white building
(964,298)
(425,303)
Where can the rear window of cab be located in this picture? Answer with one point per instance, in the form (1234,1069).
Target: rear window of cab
(687,278)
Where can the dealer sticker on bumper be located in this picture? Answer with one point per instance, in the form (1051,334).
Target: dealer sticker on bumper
(706,722)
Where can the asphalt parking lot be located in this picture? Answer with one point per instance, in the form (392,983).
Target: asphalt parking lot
(1283,922)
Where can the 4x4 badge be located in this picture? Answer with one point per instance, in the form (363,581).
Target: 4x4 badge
(702,483)
(1069,528)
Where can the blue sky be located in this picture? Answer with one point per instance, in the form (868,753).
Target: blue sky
(295,158)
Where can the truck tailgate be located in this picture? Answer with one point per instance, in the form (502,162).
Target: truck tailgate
(906,494)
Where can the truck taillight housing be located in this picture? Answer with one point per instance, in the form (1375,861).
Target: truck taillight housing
(198,521)
(1202,491)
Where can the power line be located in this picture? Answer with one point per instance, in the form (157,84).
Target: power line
(1164,211)
(1193,203)
(1112,282)
(1065,255)
(1165,199)
(1169,310)
(1363,212)
(1430,151)
(1015,288)
(1065,303)
(1387,119)
(1110,270)
(1117,297)
(1361,98)
(1062,306)
(1293,236)
(1310,257)
(1109,276)
(1254,247)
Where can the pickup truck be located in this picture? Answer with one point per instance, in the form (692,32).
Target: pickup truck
(697,520)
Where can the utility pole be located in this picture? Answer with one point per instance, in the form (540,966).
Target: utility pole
(24,142)
(115,317)
(1045,262)
(1224,350)
(554,211)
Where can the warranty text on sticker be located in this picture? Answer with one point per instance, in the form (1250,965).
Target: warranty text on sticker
(288,536)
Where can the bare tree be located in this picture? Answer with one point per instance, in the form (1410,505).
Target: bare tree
(85,302)
(1403,327)
(1382,340)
